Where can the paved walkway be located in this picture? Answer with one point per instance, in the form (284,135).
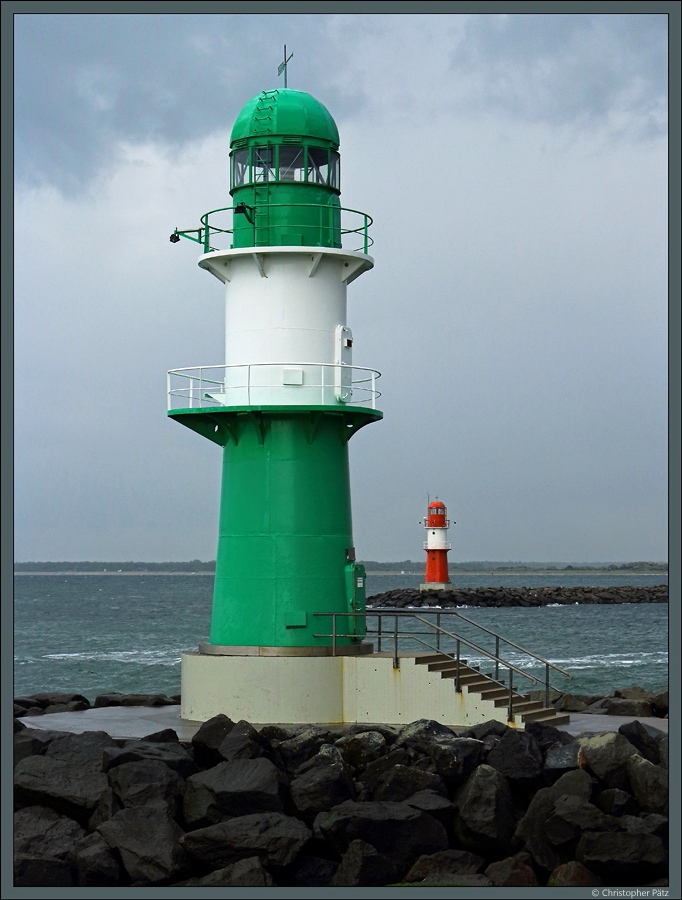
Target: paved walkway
(124,722)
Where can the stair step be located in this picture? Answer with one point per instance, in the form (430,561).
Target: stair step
(429,658)
(497,694)
(556,719)
(465,677)
(450,664)
(539,715)
(519,705)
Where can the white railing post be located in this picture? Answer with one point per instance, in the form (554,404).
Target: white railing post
(168,390)
(373,390)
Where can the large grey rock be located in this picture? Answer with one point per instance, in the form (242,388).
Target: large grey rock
(396,830)
(456,758)
(615,706)
(517,756)
(547,736)
(243,742)
(627,858)
(485,729)
(272,836)
(402,782)
(40,830)
(434,804)
(649,784)
(572,816)
(95,863)
(362,866)
(514,871)
(360,749)
(171,753)
(640,738)
(321,783)
(34,870)
(248,872)
(81,751)
(148,842)
(376,769)
(573,874)
(418,735)
(606,755)
(615,802)
(43,781)
(299,749)
(530,832)
(148,782)
(561,758)
(486,818)
(26,743)
(208,738)
(447,866)
(237,788)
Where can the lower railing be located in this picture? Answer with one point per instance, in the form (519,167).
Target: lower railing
(400,630)
(255,384)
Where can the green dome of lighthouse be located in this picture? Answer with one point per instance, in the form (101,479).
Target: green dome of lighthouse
(285,112)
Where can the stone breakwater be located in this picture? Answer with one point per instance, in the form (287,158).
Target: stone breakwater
(345,806)
(500,597)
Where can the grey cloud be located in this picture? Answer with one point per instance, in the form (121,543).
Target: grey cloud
(568,69)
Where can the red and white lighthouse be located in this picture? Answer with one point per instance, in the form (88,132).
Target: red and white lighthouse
(437,546)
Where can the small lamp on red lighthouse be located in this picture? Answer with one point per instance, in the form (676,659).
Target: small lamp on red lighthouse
(437,547)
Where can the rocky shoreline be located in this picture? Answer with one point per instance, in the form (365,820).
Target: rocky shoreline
(502,597)
(357,805)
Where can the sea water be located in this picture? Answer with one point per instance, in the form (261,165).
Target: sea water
(92,634)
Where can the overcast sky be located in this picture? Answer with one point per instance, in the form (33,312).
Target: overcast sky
(516,170)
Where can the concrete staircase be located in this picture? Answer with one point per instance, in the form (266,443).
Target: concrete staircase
(471,679)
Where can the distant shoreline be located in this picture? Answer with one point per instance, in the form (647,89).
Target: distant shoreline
(453,575)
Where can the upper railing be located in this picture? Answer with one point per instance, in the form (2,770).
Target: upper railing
(214,226)
(276,384)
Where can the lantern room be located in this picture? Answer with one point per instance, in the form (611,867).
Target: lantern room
(436,516)
(285,172)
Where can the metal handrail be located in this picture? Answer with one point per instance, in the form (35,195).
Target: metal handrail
(198,381)
(380,613)
(204,233)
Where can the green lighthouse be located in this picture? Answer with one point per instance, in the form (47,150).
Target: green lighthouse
(287,399)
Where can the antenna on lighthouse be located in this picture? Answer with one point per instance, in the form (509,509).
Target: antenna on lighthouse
(283,65)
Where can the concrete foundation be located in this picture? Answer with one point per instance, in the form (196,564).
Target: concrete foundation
(323,690)
(437,586)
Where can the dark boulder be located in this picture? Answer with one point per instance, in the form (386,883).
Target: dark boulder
(420,734)
(310,871)
(108,806)
(659,704)
(362,866)
(434,804)
(513,871)
(484,729)
(360,749)
(248,872)
(148,842)
(237,788)
(379,767)
(208,738)
(35,870)
(572,816)
(615,802)
(40,830)
(388,732)
(171,753)
(396,830)
(402,782)
(547,736)
(445,866)
(321,783)
(573,874)
(81,751)
(561,758)
(456,758)
(275,838)
(649,824)
(649,784)
(95,863)
(43,781)
(530,833)
(54,698)
(148,782)
(622,858)
(114,698)
(606,755)
(486,818)
(301,747)
(517,756)
(615,706)
(27,743)
(640,738)
(243,742)
(165,736)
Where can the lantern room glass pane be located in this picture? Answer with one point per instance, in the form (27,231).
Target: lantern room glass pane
(318,165)
(240,167)
(334,170)
(263,164)
(291,163)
